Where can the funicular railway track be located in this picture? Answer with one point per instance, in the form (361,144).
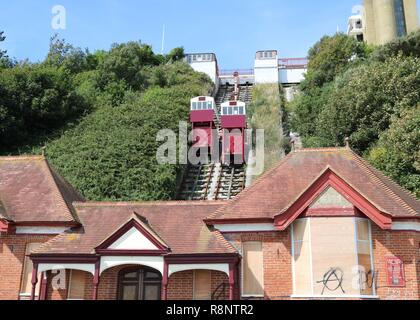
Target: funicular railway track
(216,181)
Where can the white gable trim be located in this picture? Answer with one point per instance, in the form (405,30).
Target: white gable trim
(222,267)
(152,262)
(70,266)
(133,239)
(406,226)
(40,230)
(246,227)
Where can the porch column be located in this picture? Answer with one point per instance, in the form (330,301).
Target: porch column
(96,279)
(165,281)
(232,281)
(44,286)
(34,279)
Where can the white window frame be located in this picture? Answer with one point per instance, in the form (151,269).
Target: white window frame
(312,295)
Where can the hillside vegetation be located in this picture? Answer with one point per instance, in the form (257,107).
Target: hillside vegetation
(98,115)
(266,112)
(371,95)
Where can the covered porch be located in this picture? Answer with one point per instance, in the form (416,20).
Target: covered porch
(170,277)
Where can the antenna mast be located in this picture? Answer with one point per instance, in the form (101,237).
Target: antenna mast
(163,40)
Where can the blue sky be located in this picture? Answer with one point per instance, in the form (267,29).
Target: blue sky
(233,29)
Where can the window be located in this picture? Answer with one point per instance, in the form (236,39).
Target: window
(139,284)
(76,285)
(194,106)
(332,257)
(252,269)
(400,18)
(26,285)
(225,110)
(202,285)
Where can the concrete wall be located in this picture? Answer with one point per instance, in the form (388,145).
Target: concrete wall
(411,15)
(291,76)
(266,71)
(207,67)
(379,20)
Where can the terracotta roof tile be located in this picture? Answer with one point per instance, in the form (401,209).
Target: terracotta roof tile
(32,192)
(179,224)
(280,187)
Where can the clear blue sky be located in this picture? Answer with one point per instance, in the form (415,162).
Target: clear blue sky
(233,29)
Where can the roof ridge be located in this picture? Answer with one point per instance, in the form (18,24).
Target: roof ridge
(253,186)
(62,202)
(144,203)
(325,149)
(22,157)
(219,237)
(378,176)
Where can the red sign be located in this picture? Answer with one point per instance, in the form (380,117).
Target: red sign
(395,272)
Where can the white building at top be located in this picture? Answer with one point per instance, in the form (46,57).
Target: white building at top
(268,68)
(355,27)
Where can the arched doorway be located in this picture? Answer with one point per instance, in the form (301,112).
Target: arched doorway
(139,283)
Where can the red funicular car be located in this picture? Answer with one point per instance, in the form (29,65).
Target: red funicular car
(202,118)
(233,123)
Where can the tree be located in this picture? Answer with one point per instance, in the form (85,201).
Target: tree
(405,46)
(365,98)
(63,55)
(397,152)
(331,56)
(4,59)
(111,154)
(35,100)
(176,54)
(129,63)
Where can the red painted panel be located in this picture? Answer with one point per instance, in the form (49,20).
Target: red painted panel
(395,274)
(233,144)
(202,137)
(201,116)
(230,122)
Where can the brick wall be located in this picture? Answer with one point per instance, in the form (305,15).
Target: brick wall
(405,246)
(181,284)
(277,260)
(57,284)
(12,256)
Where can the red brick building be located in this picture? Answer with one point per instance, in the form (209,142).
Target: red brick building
(322,224)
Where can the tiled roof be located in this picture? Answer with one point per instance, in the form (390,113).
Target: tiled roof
(30,191)
(179,224)
(279,188)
